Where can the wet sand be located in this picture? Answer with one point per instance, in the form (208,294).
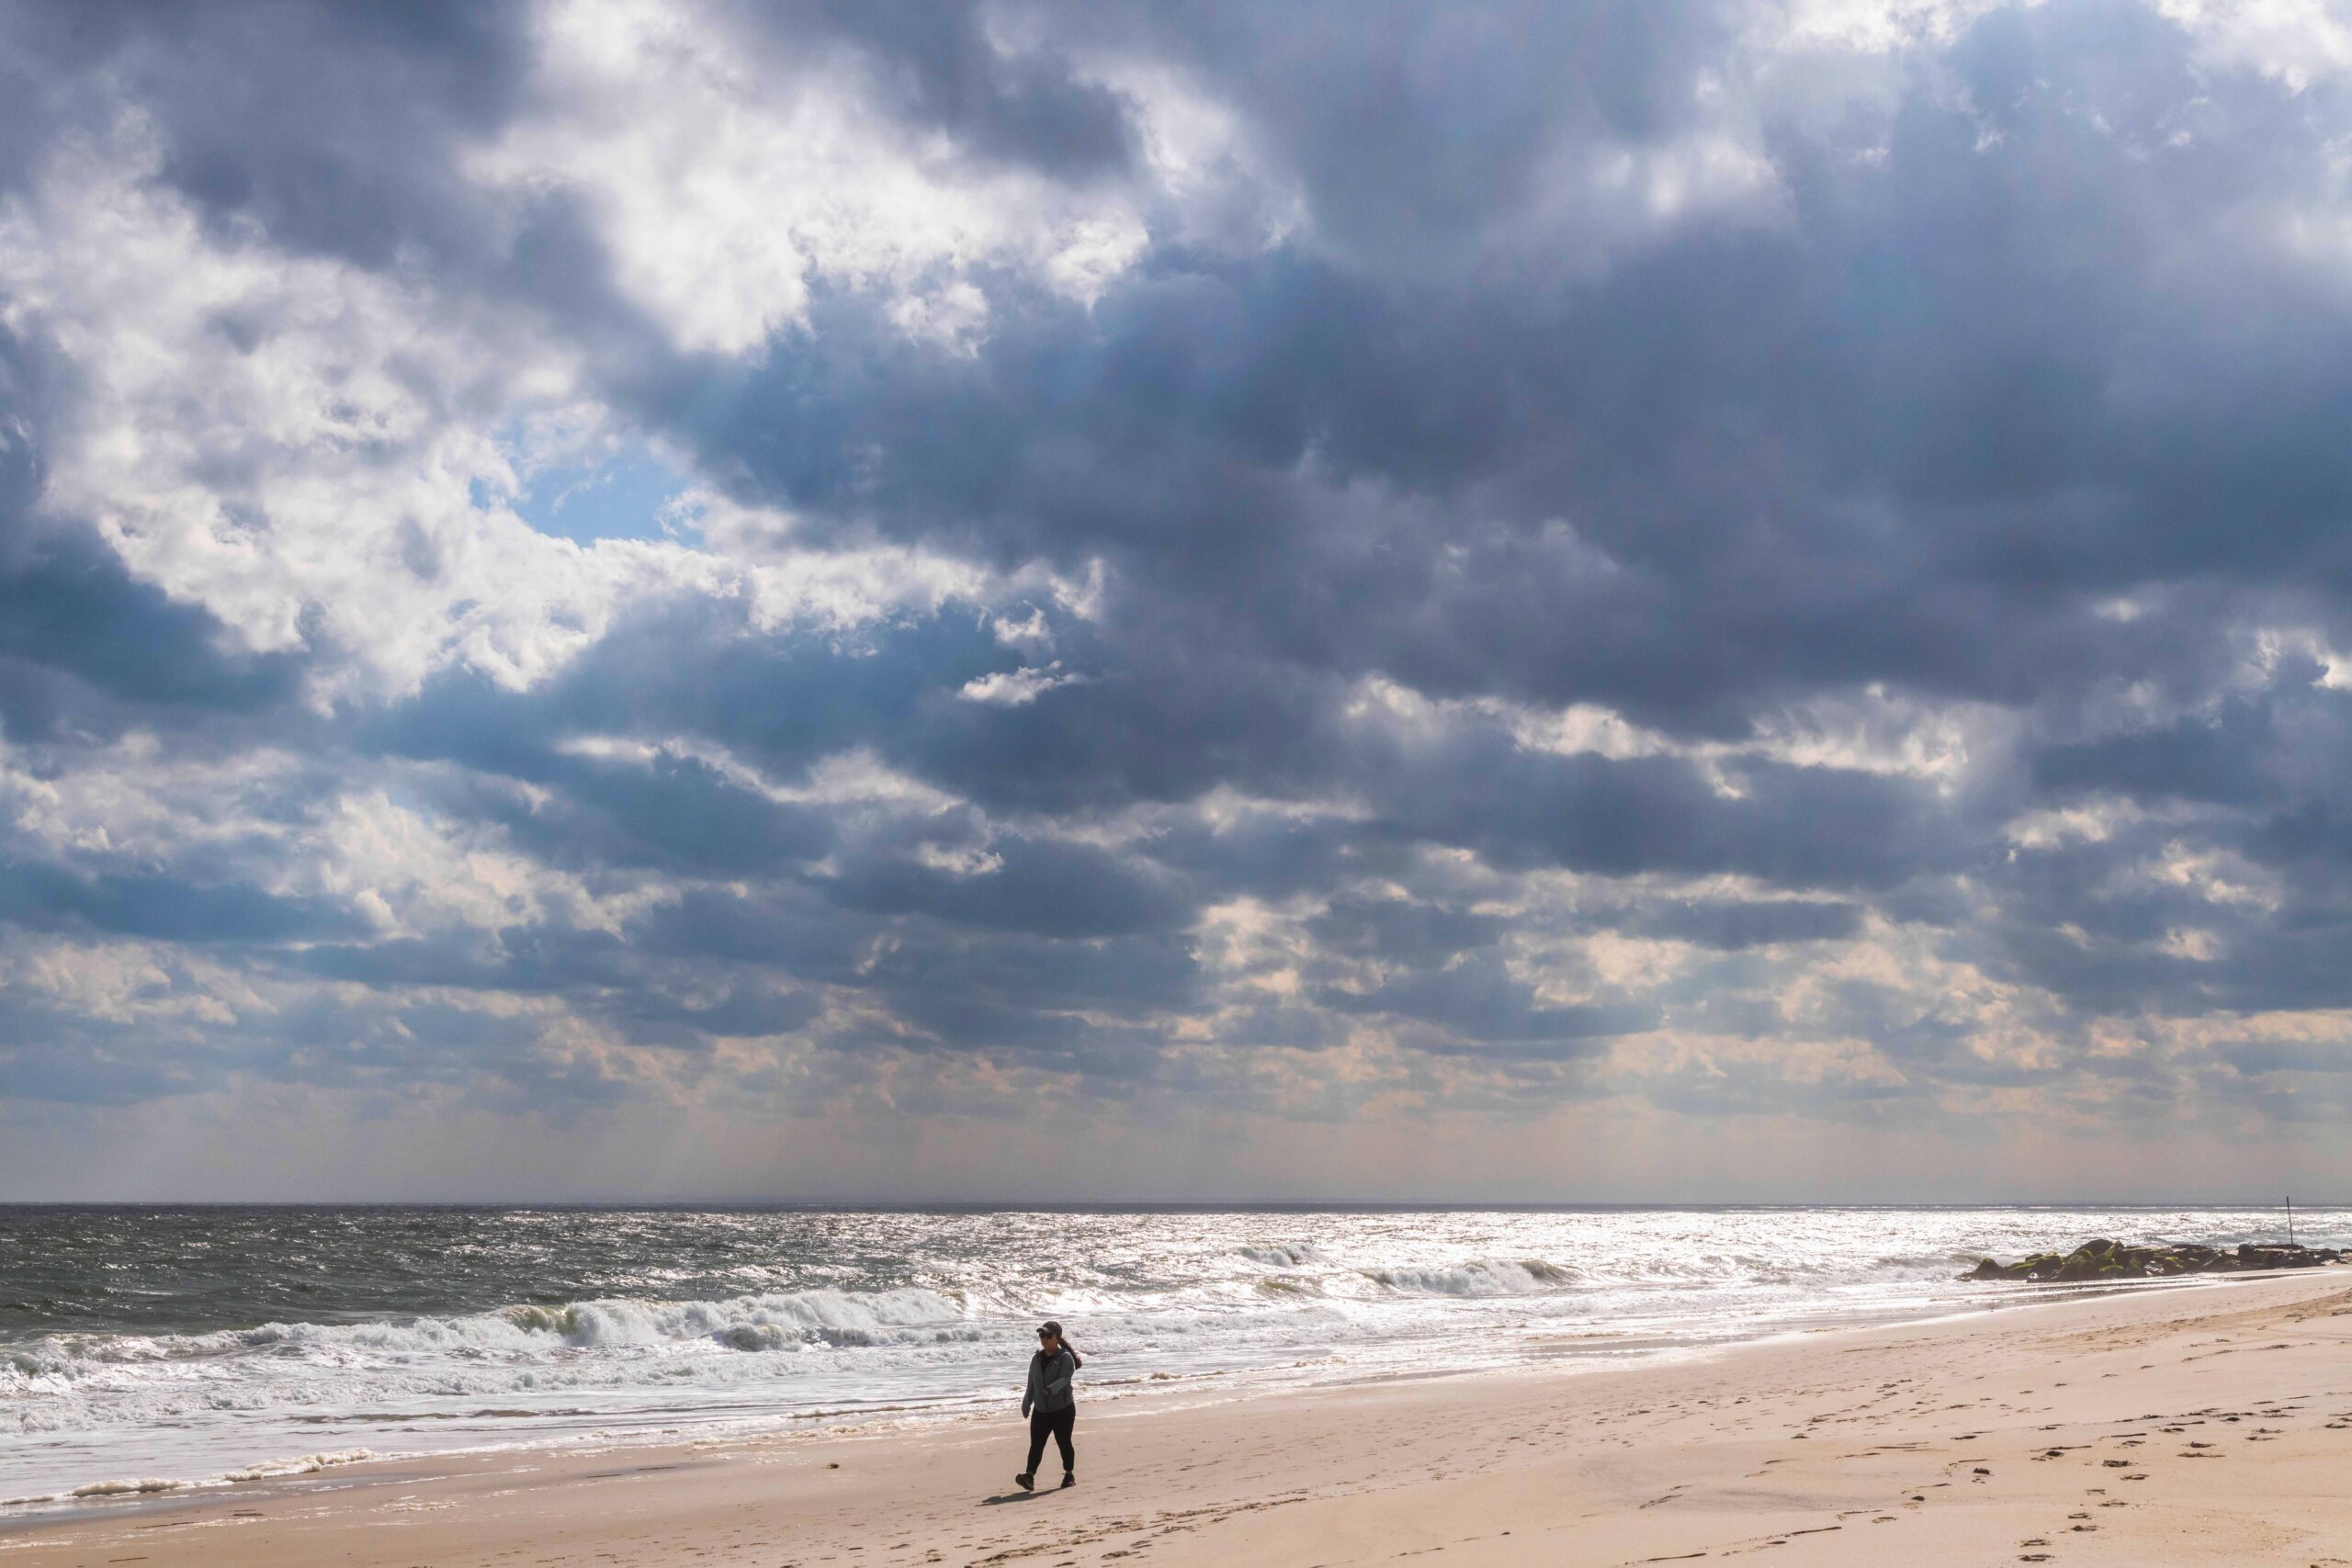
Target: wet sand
(2205,1425)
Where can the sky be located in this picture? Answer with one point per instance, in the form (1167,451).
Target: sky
(1608,600)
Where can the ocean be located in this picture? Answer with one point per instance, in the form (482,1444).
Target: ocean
(150,1349)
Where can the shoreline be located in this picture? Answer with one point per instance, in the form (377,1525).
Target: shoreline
(1563,1353)
(193,1349)
(1690,1455)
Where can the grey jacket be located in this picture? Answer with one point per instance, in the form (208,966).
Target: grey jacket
(1049,1387)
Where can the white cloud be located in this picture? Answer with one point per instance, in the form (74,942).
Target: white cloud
(1871,731)
(1872,26)
(727,184)
(2197,946)
(430,875)
(1018,687)
(2299,41)
(325,457)
(760,551)
(273,436)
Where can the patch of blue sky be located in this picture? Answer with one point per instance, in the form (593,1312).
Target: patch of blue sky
(619,493)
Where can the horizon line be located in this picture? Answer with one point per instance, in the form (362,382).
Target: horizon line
(1113,1205)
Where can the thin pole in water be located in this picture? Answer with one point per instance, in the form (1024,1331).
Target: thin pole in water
(2290,1221)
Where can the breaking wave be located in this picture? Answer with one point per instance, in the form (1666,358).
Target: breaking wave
(782,1322)
(1296,1255)
(1479,1276)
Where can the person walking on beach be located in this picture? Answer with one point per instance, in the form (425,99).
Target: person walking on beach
(1050,1404)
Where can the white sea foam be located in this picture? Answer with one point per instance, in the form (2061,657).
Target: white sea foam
(304,1465)
(125,1488)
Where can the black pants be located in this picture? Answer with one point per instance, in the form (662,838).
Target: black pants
(1058,1422)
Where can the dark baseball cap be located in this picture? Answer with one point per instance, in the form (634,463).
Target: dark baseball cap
(1051,1326)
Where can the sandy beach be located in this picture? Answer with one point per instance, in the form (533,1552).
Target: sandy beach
(2206,1424)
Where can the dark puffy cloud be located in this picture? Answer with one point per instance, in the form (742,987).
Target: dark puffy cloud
(1415,132)
(1051,889)
(1477,999)
(938,70)
(1740,923)
(85,646)
(671,813)
(1792,825)
(160,908)
(2215,758)
(1356,925)
(1905,430)
(329,127)
(1530,549)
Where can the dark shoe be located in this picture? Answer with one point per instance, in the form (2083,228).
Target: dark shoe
(1069,1477)
(1026,1482)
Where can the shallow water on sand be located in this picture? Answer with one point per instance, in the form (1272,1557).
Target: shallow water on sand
(151,1348)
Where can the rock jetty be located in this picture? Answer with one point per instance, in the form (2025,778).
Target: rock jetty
(2105,1259)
